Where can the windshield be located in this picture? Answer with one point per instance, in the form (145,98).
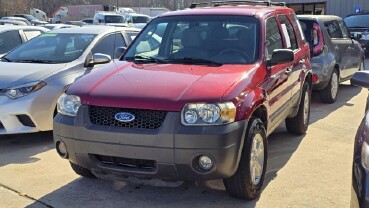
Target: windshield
(220,39)
(30,17)
(357,21)
(52,48)
(140,19)
(114,19)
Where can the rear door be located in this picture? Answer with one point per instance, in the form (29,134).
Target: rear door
(341,47)
(300,55)
(279,82)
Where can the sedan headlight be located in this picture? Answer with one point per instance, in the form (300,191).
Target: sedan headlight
(23,90)
(365,36)
(68,104)
(202,114)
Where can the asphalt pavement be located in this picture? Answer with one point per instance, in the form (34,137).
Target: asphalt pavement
(313,170)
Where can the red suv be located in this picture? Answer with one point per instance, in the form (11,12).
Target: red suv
(194,97)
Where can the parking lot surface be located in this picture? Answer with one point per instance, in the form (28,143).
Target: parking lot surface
(313,170)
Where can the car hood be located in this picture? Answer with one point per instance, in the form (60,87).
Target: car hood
(13,74)
(156,86)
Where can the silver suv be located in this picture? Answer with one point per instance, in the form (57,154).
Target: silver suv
(335,56)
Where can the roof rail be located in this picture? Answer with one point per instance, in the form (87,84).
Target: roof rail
(239,2)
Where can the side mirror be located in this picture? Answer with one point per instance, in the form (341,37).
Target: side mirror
(356,36)
(281,56)
(97,58)
(361,79)
(119,52)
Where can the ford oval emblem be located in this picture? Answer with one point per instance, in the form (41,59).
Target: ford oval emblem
(124,117)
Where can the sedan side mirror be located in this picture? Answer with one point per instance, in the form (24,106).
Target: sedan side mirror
(361,79)
(281,56)
(119,52)
(97,58)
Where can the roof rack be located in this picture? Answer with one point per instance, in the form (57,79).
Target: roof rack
(240,2)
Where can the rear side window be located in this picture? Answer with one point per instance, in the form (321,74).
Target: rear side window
(31,34)
(297,24)
(289,33)
(333,29)
(273,37)
(9,40)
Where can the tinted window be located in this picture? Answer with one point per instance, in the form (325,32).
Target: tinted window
(357,21)
(139,19)
(307,28)
(333,29)
(52,47)
(114,19)
(225,39)
(9,40)
(107,46)
(273,37)
(31,34)
(288,31)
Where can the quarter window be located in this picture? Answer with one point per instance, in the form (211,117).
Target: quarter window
(31,34)
(273,37)
(345,32)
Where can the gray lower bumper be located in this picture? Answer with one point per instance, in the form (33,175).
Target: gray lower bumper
(173,147)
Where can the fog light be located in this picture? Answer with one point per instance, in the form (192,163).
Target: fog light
(205,162)
(61,148)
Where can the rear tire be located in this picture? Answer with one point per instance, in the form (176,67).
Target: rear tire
(248,180)
(299,124)
(330,92)
(82,171)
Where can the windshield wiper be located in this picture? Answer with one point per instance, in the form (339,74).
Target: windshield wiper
(193,60)
(36,61)
(6,59)
(146,59)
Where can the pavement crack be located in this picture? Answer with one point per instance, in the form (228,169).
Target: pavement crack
(24,195)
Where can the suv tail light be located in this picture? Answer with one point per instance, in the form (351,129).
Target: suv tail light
(318,40)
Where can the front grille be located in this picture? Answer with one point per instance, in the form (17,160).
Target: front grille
(144,119)
(147,165)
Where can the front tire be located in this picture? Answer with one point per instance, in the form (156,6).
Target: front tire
(330,92)
(299,124)
(248,180)
(82,171)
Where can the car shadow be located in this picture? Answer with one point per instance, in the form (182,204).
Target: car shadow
(321,110)
(20,148)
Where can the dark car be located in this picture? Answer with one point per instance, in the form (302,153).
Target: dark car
(360,165)
(33,20)
(335,56)
(358,25)
(197,102)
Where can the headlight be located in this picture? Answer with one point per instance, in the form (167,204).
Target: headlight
(23,90)
(68,104)
(365,37)
(202,114)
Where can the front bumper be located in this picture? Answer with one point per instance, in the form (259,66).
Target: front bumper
(172,148)
(31,113)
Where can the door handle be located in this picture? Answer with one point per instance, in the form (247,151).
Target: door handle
(288,71)
(302,61)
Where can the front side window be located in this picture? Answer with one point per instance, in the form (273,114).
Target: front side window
(9,40)
(221,39)
(108,45)
(273,37)
(333,29)
(52,48)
